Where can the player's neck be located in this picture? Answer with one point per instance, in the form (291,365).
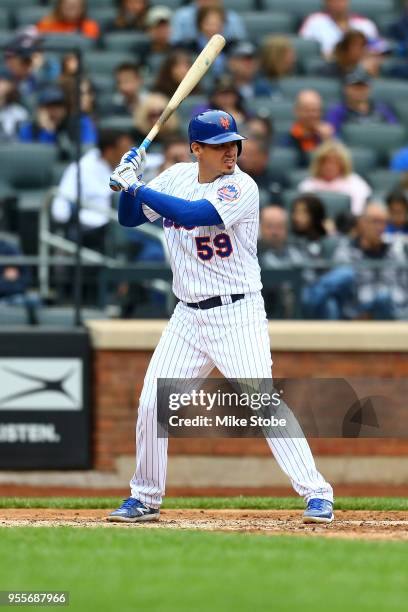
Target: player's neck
(207,176)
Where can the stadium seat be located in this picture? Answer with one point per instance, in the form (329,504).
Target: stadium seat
(329,89)
(188,105)
(278,109)
(259,25)
(58,170)
(312,65)
(287,198)
(305,48)
(364,159)
(239,6)
(335,203)
(5,37)
(5,21)
(126,42)
(372,8)
(115,122)
(380,137)
(384,22)
(282,128)
(27,165)
(384,180)
(68,42)
(299,8)
(390,90)
(103,83)
(63,316)
(13,315)
(390,64)
(401,108)
(283,158)
(173,4)
(30,15)
(102,14)
(92,3)
(105,62)
(297,176)
(18,4)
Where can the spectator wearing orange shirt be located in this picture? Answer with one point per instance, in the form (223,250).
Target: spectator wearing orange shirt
(69,17)
(309,130)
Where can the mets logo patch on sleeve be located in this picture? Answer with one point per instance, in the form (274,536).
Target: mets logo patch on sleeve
(229,192)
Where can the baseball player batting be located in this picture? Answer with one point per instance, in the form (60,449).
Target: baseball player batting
(210,211)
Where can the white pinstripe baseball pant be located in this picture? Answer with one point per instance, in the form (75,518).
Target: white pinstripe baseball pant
(235,339)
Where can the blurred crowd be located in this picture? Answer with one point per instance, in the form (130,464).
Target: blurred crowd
(318,93)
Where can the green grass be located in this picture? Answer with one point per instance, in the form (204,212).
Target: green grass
(136,569)
(246,503)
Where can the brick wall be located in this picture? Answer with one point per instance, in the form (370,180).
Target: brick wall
(118,378)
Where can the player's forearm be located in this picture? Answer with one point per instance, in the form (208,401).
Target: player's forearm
(130,213)
(184,212)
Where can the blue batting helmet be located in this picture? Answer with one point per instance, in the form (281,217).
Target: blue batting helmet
(214,127)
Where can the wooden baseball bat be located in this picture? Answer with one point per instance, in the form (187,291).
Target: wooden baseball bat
(202,63)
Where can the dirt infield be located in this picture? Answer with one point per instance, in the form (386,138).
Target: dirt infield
(356,524)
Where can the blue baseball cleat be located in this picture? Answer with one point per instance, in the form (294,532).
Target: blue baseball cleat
(318,511)
(133,511)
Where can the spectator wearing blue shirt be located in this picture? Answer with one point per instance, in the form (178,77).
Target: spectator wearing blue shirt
(399,162)
(184,23)
(357,105)
(53,124)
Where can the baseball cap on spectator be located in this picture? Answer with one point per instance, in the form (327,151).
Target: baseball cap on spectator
(243,49)
(357,77)
(25,42)
(156,15)
(52,95)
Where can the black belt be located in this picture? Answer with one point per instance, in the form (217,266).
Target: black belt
(215,301)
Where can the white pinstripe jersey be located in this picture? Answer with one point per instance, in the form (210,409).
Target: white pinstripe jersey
(213,260)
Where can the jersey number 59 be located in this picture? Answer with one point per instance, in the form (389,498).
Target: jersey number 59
(221,246)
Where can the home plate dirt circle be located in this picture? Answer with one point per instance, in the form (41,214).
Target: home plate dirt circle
(350,524)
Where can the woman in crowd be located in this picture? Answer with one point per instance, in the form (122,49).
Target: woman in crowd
(278,57)
(69,17)
(311,235)
(348,54)
(171,73)
(131,16)
(210,21)
(147,113)
(332,170)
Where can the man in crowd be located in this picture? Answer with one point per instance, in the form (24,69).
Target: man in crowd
(308,130)
(274,251)
(358,105)
(255,161)
(243,65)
(53,125)
(129,89)
(96,168)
